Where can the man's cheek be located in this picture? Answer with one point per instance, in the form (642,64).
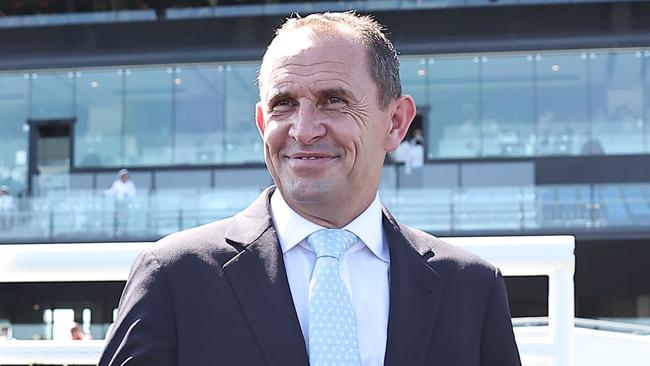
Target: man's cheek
(274,137)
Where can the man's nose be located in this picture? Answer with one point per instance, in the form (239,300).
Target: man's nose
(308,125)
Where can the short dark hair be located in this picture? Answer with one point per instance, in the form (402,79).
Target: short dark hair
(383,62)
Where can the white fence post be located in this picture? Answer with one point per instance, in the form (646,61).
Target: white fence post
(551,256)
(561,314)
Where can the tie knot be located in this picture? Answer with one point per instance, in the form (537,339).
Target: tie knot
(331,242)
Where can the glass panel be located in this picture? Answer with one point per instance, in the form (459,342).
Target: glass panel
(414,76)
(508,113)
(14,99)
(199,115)
(616,103)
(562,103)
(52,94)
(148,116)
(454,99)
(646,82)
(243,142)
(413,72)
(98,132)
(186,178)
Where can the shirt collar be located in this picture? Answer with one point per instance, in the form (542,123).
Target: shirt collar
(292,228)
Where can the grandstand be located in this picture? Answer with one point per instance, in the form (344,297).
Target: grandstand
(535,114)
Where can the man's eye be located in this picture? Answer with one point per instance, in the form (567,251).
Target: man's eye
(281,105)
(334,100)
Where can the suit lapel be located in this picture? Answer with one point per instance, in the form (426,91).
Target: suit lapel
(259,280)
(415,294)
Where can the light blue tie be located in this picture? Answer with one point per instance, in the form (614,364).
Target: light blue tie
(332,327)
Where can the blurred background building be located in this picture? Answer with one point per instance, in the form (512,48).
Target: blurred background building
(533,119)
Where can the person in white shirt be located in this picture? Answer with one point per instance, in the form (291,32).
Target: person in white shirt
(4,333)
(123,187)
(6,208)
(252,290)
(6,200)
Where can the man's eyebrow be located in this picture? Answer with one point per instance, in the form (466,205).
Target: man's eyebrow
(337,91)
(277,94)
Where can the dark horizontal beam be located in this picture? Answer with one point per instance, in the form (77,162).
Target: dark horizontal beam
(444,30)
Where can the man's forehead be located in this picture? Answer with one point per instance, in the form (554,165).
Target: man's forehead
(296,42)
(291,42)
(317,87)
(309,66)
(306,49)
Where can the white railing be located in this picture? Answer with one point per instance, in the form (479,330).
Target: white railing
(20,352)
(515,256)
(551,256)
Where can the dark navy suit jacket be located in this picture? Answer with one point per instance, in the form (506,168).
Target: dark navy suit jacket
(218,295)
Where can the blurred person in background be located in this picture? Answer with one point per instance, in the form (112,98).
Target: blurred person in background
(6,208)
(123,187)
(4,333)
(77,334)
(123,190)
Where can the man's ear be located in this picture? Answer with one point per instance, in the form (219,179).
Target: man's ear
(259,118)
(402,115)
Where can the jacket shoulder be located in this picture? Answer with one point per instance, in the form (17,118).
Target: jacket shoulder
(449,258)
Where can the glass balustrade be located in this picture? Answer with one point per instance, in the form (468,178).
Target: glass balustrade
(89,215)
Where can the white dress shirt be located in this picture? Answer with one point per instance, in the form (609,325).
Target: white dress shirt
(364,270)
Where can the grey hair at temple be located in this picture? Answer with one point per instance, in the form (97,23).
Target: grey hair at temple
(383,62)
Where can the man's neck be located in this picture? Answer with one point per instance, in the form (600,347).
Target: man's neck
(334,215)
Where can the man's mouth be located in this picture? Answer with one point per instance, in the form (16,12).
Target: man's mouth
(310,156)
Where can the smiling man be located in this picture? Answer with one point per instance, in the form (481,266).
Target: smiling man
(316,271)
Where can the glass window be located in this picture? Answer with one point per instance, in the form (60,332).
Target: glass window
(14,99)
(199,132)
(52,94)
(98,131)
(454,129)
(562,103)
(646,81)
(616,103)
(243,143)
(508,121)
(148,116)
(414,75)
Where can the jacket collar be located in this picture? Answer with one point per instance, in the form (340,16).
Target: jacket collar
(259,281)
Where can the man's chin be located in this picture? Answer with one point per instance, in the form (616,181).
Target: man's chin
(307,194)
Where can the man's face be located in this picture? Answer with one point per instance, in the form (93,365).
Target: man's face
(76,334)
(324,132)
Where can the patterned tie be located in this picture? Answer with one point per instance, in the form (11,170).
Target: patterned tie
(332,327)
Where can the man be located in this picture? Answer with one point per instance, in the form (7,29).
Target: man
(241,291)
(6,208)
(4,333)
(123,187)
(77,334)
